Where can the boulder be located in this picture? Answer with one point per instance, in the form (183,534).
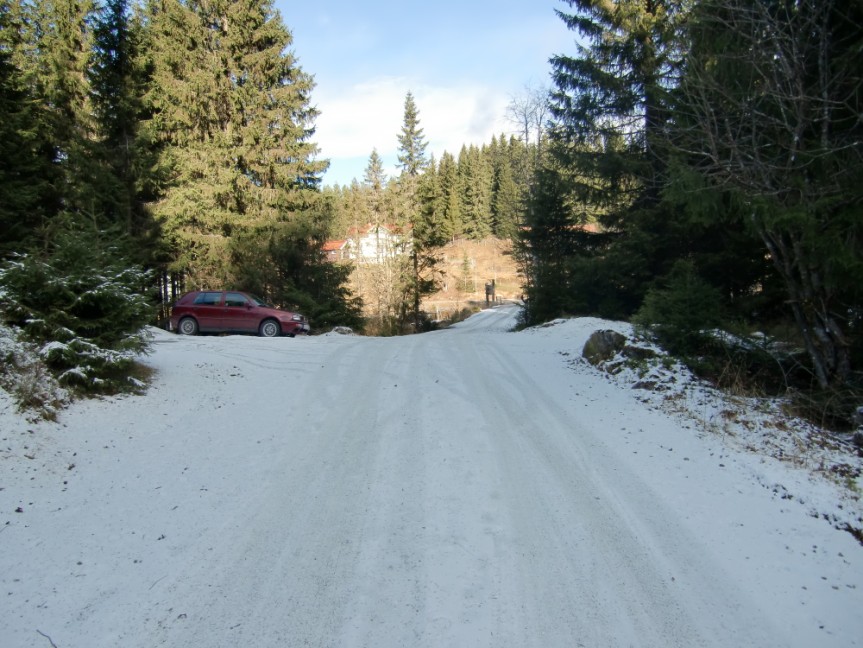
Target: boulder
(602,346)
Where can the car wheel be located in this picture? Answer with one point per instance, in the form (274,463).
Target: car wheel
(187,326)
(269,328)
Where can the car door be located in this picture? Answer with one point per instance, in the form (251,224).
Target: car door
(207,309)
(238,313)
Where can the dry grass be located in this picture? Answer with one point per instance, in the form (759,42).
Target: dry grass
(467,266)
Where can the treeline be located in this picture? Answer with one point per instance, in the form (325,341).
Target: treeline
(697,164)
(715,148)
(179,128)
(172,137)
(480,193)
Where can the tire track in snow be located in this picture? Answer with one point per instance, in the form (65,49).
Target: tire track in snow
(604,562)
(435,495)
(277,575)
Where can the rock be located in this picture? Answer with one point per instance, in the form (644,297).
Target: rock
(602,345)
(649,385)
(638,353)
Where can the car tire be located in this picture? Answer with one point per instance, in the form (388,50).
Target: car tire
(269,328)
(187,326)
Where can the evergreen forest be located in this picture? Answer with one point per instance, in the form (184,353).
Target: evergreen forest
(697,165)
(704,169)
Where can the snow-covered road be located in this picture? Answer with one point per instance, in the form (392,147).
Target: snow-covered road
(463,488)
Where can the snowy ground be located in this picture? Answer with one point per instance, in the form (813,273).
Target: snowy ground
(470,487)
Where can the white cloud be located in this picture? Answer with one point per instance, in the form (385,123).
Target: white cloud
(359,118)
(452,117)
(369,115)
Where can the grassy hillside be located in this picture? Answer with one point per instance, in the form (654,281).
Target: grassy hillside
(467,266)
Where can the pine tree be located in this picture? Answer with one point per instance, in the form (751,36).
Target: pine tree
(231,112)
(611,109)
(770,114)
(375,180)
(507,198)
(420,197)
(117,83)
(412,143)
(62,47)
(80,301)
(450,187)
(27,170)
(476,183)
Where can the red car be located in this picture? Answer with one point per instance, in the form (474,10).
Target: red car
(227,311)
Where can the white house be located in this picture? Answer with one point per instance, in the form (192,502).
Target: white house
(369,244)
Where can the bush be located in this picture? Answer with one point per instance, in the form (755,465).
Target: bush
(680,310)
(26,379)
(835,408)
(746,365)
(83,306)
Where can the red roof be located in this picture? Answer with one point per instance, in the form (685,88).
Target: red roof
(332,246)
(368,227)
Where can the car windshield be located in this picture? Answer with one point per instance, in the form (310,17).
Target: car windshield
(260,302)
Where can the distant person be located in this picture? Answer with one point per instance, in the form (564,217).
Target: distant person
(489,291)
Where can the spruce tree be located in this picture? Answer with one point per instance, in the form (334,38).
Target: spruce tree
(80,300)
(231,112)
(420,196)
(770,116)
(611,109)
(615,95)
(545,249)
(27,170)
(411,140)
(295,273)
(476,183)
(507,199)
(450,187)
(375,180)
(63,42)
(48,48)
(117,84)
(427,237)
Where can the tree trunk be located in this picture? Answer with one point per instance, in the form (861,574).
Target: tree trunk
(825,342)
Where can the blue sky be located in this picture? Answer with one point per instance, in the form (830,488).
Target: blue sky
(463,60)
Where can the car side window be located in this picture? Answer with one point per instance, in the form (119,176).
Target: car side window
(235,299)
(208,299)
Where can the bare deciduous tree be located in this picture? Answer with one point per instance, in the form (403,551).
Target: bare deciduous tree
(529,111)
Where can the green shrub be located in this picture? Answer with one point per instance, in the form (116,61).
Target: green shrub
(83,305)
(680,310)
